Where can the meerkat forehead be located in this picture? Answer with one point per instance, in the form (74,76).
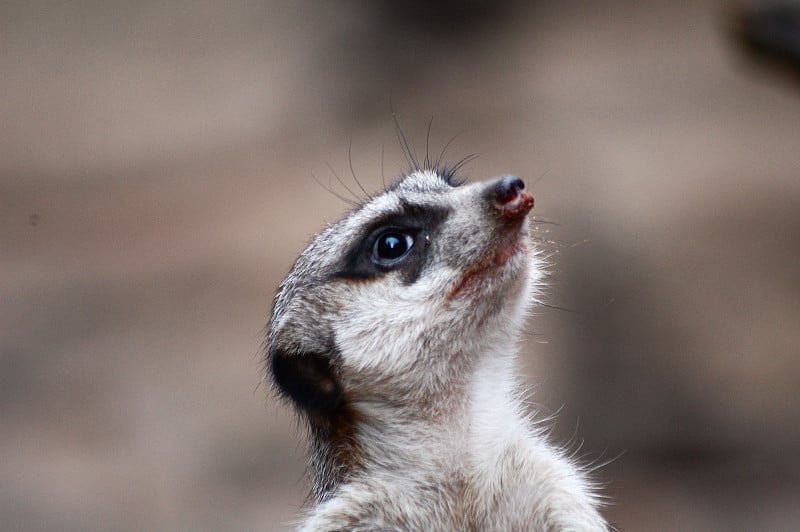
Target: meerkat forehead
(421,189)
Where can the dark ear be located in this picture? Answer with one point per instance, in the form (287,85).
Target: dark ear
(308,379)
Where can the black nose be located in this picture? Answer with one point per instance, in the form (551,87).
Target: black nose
(507,189)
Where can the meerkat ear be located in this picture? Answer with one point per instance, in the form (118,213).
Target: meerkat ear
(308,379)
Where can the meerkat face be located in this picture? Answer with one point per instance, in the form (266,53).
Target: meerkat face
(403,293)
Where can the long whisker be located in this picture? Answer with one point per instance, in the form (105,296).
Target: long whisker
(336,194)
(383,174)
(428,145)
(469,158)
(440,158)
(353,172)
(341,182)
(408,151)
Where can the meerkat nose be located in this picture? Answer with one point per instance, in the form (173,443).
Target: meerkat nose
(510,197)
(507,189)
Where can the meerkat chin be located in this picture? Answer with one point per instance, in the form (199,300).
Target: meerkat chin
(394,338)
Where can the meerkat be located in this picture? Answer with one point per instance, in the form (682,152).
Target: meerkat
(395,337)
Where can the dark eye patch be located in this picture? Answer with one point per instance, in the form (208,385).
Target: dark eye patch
(396,242)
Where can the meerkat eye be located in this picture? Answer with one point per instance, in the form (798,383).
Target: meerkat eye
(391,247)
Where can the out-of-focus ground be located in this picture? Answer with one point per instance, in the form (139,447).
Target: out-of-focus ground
(156,164)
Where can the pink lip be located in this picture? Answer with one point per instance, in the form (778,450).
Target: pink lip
(517,207)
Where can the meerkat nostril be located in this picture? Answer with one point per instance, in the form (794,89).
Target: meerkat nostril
(509,198)
(507,189)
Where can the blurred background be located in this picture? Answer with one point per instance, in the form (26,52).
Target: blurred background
(157,179)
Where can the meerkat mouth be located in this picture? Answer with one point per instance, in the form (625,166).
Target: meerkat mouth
(515,205)
(512,203)
(497,256)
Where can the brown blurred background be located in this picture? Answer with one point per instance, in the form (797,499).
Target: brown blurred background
(156,182)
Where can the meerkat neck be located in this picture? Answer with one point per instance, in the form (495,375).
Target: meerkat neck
(480,412)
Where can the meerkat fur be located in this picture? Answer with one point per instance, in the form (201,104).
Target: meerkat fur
(395,336)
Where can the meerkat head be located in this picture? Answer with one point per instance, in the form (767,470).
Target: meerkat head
(395,302)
